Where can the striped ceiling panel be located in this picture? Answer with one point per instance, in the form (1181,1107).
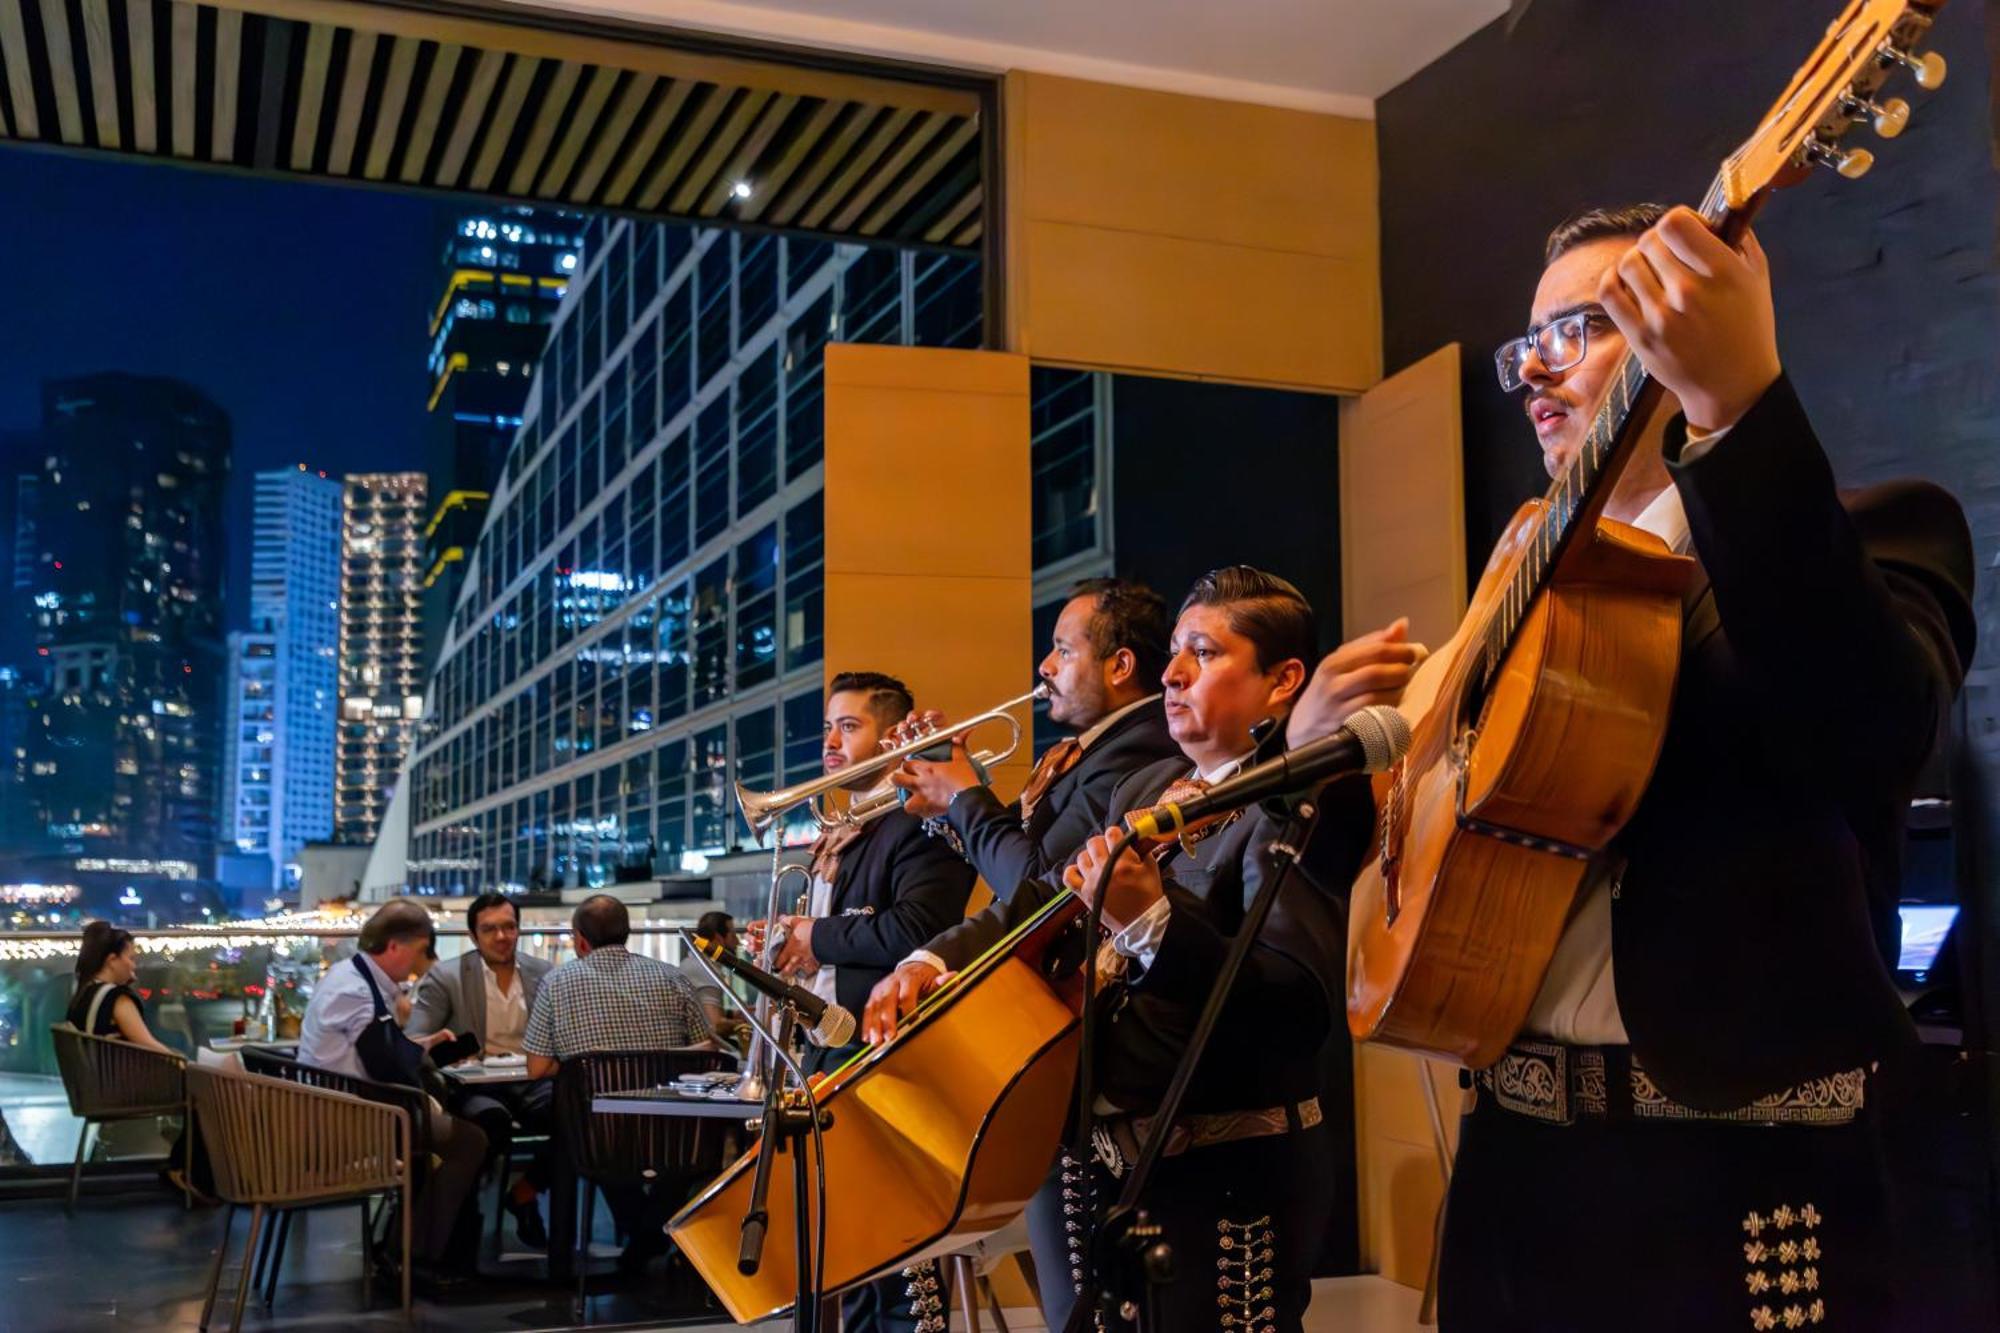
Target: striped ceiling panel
(394,96)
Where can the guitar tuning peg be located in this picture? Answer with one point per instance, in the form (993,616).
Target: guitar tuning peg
(1929,67)
(1851,163)
(1889,118)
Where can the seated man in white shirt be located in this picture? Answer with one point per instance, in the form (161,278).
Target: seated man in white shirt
(358,993)
(488,991)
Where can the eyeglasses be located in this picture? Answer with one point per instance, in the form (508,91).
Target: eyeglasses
(1558,344)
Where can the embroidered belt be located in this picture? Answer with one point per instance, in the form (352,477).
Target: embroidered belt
(1117,1140)
(1560,1085)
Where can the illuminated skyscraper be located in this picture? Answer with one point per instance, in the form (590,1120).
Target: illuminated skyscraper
(381,643)
(504,274)
(118,582)
(282,701)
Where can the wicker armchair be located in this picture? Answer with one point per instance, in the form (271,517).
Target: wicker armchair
(413,1102)
(109,1080)
(277,1145)
(668,1151)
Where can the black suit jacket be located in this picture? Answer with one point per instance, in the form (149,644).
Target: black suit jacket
(1076,806)
(896,887)
(1265,1049)
(1754,929)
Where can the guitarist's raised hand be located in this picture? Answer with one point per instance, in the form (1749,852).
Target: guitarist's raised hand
(1373,668)
(1698,313)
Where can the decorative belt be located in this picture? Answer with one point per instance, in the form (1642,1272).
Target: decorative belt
(1117,1139)
(1560,1085)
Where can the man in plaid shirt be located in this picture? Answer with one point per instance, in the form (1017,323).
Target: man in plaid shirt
(606,999)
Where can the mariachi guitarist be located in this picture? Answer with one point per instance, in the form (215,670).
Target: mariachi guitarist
(1691,1098)
(1241,1192)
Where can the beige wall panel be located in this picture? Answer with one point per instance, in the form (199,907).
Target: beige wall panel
(1164,304)
(1400,1184)
(1187,236)
(927,527)
(1402,502)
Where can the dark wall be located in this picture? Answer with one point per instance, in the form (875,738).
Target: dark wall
(1215,474)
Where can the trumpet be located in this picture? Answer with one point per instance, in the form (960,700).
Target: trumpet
(762,809)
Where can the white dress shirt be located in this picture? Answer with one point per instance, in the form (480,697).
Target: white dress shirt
(506,1015)
(342,1007)
(1578,1001)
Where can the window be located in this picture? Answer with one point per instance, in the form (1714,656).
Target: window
(676,365)
(1063,426)
(670,812)
(803,261)
(671,653)
(616,450)
(804,364)
(645,265)
(805,581)
(644,422)
(757,285)
(711,328)
(710,800)
(947,303)
(708,621)
(756,594)
(711,471)
(617,277)
(871,309)
(756,759)
(674,502)
(757,432)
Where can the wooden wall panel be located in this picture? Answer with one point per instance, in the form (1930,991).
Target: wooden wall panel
(927,527)
(1177,235)
(1402,502)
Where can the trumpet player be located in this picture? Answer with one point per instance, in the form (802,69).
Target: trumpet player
(880,888)
(1102,673)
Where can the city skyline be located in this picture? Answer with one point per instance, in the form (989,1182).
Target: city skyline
(328,370)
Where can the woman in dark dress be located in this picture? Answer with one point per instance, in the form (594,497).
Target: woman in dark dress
(105,1005)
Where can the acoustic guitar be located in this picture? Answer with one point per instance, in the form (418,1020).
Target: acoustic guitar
(1535,731)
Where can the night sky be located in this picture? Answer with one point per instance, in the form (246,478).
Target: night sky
(300,308)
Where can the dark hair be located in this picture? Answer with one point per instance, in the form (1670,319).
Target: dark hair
(102,941)
(888,698)
(1129,615)
(1264,609)
(1598,223)
(484,901)
(397,919)
(714,925)
(602,920)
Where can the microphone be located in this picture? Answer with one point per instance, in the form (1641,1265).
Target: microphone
(831,1024)
(1373,740)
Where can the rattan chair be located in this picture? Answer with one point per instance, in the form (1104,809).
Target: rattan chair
(665,1151)
(279,1145)
(107,1080)
(411,1101)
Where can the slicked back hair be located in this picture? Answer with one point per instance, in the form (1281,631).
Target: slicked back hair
(1129,615)
(1633,220)
(888,698)
(1263,608)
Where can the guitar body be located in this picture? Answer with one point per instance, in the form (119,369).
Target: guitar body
(1510,793)
(937,1139)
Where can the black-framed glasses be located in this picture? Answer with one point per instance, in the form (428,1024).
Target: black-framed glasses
(1558,344)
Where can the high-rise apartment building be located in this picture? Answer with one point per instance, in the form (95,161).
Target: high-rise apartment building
(642,617)
(505,270)
(381,643)
(284,682)
(118,583)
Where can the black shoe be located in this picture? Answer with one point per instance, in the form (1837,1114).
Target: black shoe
(528,1222)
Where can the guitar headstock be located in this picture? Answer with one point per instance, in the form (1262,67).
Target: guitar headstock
(1835,90)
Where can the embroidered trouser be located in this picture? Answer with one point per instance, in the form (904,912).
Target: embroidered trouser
(1246,1221)
(1668,1226)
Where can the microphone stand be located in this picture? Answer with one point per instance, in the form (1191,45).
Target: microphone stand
(783,1128)
(1130,1257)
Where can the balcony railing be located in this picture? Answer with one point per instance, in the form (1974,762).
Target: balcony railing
(195,983)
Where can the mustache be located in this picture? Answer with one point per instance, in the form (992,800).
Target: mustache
(1551,395)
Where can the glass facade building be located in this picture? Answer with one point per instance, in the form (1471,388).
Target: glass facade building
(642,618)
(504,274)
(281,711)
(381,644)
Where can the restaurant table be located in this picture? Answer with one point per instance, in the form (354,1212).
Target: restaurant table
(665,1101)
